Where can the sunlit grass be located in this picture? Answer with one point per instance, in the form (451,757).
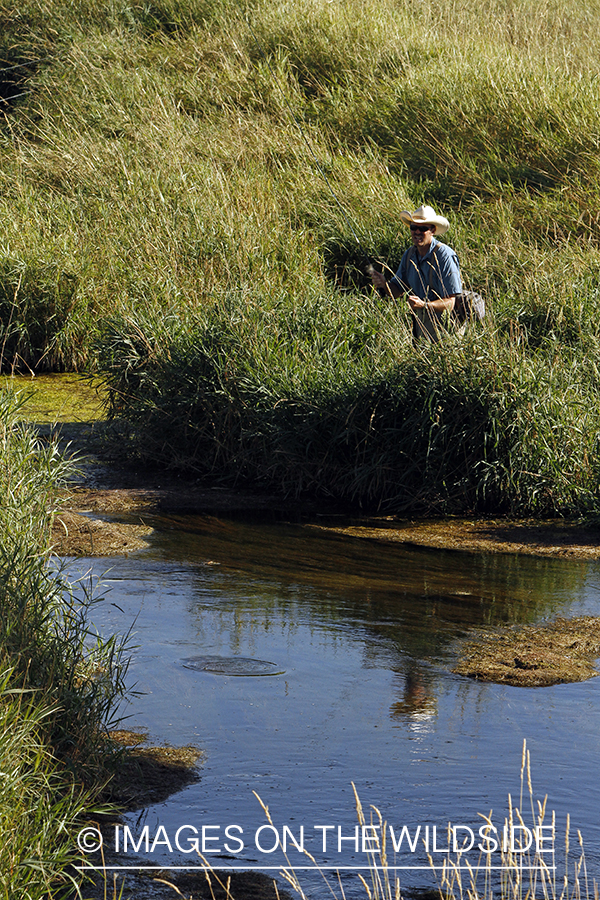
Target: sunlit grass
(165,155)
(174,159)
(59,681)
(332,400)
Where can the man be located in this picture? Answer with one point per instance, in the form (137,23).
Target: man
(429,274)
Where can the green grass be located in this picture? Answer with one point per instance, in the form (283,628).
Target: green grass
(332,400)
(157,158)
(59,682)
(167,163)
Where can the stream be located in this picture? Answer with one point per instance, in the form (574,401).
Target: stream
(362,636)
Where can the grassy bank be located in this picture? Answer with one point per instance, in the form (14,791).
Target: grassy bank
(332,400)
(58,681)
(168,179)
(160,155)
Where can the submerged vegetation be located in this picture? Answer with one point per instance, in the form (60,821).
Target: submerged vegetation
(59,682)
(557,652)
(189,191)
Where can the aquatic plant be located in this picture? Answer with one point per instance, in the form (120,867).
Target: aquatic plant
(560,651)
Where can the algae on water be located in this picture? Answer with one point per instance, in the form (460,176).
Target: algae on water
(534,655)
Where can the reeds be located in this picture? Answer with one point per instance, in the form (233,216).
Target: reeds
(330,398)
(531,862)
(519,858)
(39,807)
(59,682)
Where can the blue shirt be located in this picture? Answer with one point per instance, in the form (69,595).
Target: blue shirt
(429,277)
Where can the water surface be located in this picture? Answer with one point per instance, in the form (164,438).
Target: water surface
(365,634)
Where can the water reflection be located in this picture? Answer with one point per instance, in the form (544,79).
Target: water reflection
(490,588)
(419,700)
(409,604)
(366,634)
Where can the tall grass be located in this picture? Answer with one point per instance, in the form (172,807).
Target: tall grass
(163,154)
(174,166)
(39,808)
(331,399)
(59,683)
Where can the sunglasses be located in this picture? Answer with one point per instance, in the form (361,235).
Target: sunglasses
(421,228)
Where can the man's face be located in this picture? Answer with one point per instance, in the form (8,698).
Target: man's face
(422,236)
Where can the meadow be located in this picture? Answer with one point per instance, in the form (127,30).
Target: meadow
(190,191)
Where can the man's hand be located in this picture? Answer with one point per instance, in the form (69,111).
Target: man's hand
(379,280)
(386,288)
(415,302)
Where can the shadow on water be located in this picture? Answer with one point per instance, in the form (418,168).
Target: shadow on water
(411,603)
(364,634)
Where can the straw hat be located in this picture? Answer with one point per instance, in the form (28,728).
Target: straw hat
(425,215)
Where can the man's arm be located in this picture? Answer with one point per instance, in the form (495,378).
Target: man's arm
(438,305)
(447,269)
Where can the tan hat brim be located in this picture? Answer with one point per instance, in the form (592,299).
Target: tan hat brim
(441,223)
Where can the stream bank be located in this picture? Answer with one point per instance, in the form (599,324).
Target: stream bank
(71,409)
(106,490)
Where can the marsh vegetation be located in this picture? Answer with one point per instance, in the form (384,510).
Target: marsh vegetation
(188,194)
(189,189)
(60,682)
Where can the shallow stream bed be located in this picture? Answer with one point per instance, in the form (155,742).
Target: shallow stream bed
(363,636)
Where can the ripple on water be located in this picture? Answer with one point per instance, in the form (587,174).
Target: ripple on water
(232,665)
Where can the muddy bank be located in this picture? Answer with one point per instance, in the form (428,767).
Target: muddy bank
(535,655)
(105,490)
(79,535)
(147,775)
(78,532)
(102,511)
(70,409)
(554,538)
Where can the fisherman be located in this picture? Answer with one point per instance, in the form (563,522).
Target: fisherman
(429,275)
